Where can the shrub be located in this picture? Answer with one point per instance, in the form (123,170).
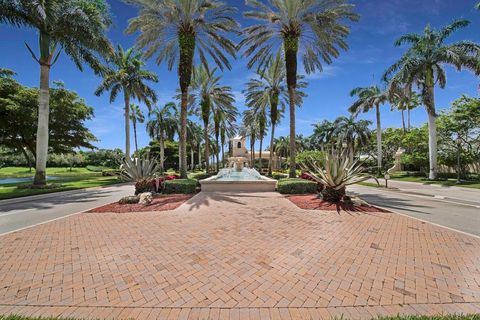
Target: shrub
(279,175)
(296,186)
(185,186)
(145,185)
(129,200)
(310,155)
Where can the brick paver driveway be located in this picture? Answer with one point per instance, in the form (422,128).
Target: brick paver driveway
(238,256)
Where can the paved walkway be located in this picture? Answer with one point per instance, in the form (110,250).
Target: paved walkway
(244,256)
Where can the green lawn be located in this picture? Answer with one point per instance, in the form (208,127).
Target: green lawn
(444,182)
(78,178)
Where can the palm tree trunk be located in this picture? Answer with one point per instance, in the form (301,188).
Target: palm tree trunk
(260,154)
(207,146)
(379,140)
(223,154)
(270,159)
(162,151)
(432,145)
(135,136)
(403,121)
(192,164)
(127,123)
(218,152)
(42,127)
(291,49)
(200,155)
(408,119)
(429,101)
(183,134)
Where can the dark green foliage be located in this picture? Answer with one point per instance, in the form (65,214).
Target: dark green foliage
(296,186)
(332,195)
(184,186)
(310,155)
(127,200)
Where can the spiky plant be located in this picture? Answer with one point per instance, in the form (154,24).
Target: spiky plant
(138,169)
(335,173)
(423,65)
(177,30)
(315,28)
(76,27)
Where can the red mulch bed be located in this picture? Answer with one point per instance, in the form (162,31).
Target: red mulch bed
(313,202)
(159,203)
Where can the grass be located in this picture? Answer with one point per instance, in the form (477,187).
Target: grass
(475,184)
(78,178)
(22,172)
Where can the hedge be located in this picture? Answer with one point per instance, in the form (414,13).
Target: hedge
(296,186)
(185,186)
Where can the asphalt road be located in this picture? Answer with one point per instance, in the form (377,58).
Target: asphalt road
(20,213)
(451,208)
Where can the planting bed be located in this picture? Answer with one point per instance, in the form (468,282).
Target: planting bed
(159,203)
(313,202)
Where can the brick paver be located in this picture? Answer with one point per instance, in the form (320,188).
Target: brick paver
(244,256)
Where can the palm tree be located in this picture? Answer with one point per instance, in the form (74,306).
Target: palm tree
(195,138)
(162,124)
(351,132)
(314,27)
(177,29)
(282,146)
(256,116)
(250,130)
(76,27)
(136,116)
(215,102)
(405,101)
(369,98)
(423,65)
(323,134)
(125,73)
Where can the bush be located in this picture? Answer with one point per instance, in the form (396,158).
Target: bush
(145,185)
(296,186)
(309,155)
(279,175)
(129,200)
(185,186)
(200,175)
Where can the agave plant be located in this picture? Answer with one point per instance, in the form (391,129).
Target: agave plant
(336,172)
(138,169)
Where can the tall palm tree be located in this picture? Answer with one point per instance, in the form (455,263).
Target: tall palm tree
(351,132)
(125,73)
(175,30)
(136,116)
(423,65)
(215,103)
(250,130)
(227,131)
(256,115)
(282,146)
(315,27)
(76,27)
(162,125)
(405,101)
(369,98)
(195,138)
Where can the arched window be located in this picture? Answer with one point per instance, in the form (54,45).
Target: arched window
(239,145)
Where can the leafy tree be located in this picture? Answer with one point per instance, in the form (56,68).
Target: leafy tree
(103,157)
(136,116)
(19,109)
(175,30)
(423,65)
(459,134)
(162,126)
(369,98)
(125,73)
(75,26)
(316,28)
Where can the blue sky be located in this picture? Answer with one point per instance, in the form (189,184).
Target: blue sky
(371,52)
